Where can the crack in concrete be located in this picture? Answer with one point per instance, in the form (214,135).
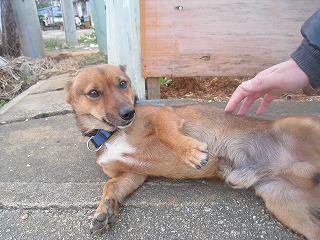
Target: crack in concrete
(39,116)
(48,207)
(51,90)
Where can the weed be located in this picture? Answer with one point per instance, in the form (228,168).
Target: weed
(208,96)
(97,58)
(3,102)
(164,81)
(54,44)
(88,38)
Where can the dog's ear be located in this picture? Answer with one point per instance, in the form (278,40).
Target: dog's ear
(123,68)
(67,89)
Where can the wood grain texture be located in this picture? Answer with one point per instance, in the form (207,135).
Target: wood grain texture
(153,88)
(219,38)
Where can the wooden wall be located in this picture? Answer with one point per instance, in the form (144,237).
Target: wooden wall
(163,38)
(217,37)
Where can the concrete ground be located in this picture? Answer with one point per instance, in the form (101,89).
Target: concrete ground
(50,184)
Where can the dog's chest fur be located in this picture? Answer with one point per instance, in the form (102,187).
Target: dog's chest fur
(118,149)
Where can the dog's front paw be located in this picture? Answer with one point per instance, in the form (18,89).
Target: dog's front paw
(197,156)
(104,216)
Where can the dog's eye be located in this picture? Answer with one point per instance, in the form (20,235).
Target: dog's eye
(123,84)
(94,93)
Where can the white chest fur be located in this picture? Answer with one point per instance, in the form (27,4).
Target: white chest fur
(118,150)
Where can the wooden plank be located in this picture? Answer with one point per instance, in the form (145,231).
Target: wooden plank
(123,39)
(219,38)
(153,88)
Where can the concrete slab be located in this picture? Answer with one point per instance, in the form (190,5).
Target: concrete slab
(160,209)
(46,150)
(54,83)
(49,179)
(47,173)
(37,106)
(147,222)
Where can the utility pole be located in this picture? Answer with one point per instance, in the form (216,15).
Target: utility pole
(28,25)
(69,23)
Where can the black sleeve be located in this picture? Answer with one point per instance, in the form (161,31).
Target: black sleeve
(307,55)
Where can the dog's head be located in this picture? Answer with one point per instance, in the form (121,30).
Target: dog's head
(102,97)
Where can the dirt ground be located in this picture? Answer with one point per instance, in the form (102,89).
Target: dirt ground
(220,89)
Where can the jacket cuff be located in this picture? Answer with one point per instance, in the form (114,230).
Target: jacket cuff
(308,59)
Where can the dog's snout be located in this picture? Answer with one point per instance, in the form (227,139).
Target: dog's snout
(127,113)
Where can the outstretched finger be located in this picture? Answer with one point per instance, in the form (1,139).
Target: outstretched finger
(247,103)
(238,95)
(267,99)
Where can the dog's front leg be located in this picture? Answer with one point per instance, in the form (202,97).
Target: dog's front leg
(114,191)
(168,129)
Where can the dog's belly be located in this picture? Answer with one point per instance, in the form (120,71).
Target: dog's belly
(118,149)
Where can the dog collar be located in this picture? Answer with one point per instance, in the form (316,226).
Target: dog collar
(98,139)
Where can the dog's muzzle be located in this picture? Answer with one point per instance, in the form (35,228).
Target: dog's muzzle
(127,113)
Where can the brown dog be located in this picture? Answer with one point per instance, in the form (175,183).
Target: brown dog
(280,159)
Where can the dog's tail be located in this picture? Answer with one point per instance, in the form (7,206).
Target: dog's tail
(294,200)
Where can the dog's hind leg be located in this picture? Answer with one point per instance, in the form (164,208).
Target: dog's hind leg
(294,207)
(302,174)
(114,191)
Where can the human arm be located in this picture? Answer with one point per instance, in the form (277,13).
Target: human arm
(307,55)
(268,84)
(298,72)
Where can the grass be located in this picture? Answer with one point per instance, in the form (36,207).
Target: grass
(54,44)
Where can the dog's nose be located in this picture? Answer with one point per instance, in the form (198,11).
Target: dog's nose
(126,113)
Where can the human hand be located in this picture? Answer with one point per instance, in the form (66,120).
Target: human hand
(268,84)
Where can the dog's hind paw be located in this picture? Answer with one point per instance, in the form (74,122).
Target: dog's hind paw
(242,178)
(102,219)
